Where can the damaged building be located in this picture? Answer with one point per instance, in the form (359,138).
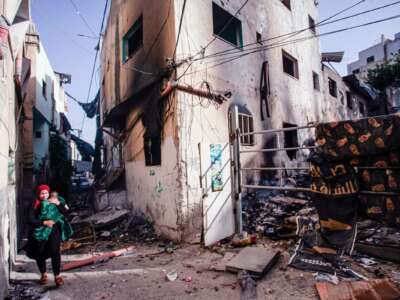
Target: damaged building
(173,94)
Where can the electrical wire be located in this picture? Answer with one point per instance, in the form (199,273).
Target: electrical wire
(95,59)
(324,23)
(82,17)
(58,28)
(277,45)
(180,27)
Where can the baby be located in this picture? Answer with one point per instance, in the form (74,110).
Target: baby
(57,200)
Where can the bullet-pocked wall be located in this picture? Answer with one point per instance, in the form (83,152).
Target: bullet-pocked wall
(152,188)
(292,100)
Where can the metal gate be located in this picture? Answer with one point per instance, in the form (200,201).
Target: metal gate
(239,187)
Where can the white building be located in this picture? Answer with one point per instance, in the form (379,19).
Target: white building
(166,157)
(376,55)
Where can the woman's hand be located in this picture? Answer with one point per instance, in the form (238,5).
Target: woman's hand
(54,201)
(48,223)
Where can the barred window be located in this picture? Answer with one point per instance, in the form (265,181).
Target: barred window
(246,125)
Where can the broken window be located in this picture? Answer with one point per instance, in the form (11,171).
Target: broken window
(286,3)
(152,151)
(362,108)
(291,140)
(316,81)
(349,99)
(132,40)
(370,59)
(227,26)
(332,87)
(38,134)
(259,38)
(290,65)
(246,125)
(311,24)
(44,89)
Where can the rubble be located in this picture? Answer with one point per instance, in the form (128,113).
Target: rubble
(274,215)
(107,218)
(349,290)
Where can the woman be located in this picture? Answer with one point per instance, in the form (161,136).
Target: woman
(48,228)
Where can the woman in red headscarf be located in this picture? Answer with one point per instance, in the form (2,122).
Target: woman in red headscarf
(39,249)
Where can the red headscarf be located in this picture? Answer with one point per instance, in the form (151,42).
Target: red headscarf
(40,188)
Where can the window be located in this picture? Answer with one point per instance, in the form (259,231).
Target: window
(291,140)
(133,40)
(246,125)
(356,71)
(38,134)
(286,3)
(311,24)
(316,81)
(152,151)
(227,26)
(341,97)
(362,108)
(370,59)
(332,87)
(349,99)
(290,65)
(44,89)
(259,38)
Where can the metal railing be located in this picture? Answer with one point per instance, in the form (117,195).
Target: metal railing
(238,170)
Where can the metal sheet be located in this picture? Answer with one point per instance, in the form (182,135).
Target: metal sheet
(218,208)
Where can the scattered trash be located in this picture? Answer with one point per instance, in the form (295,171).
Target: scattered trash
(248,286)
(172,276)
(188,279)
(367,262)
(244,239)
(324,277)
(105,234)
(107,218)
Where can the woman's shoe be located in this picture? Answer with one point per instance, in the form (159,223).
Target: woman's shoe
(43,279)
(59,281)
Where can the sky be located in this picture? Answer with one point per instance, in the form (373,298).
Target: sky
(59,24)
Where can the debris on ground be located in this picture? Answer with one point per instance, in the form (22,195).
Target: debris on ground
(352,290)
(274,215)
(324,277)
(107,217)
(172,276)
(244,239)
(248,286)
(28,291)
(254,260)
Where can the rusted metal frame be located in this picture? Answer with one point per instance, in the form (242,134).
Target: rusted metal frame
(278,149)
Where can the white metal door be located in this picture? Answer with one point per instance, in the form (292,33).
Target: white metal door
(218,208)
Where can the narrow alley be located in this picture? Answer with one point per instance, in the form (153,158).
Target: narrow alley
(208,149)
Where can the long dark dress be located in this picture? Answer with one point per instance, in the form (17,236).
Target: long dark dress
(40,250)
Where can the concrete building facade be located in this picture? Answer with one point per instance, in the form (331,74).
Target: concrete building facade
(370,58)
(169,92)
